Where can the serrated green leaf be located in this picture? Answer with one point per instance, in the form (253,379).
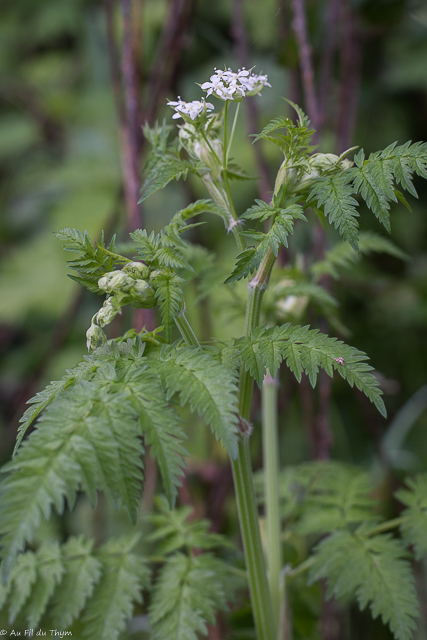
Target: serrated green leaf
(374,571)
(207,386)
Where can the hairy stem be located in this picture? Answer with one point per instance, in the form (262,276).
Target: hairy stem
(271,474)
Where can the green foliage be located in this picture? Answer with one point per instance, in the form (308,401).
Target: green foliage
(295,144)
(190,588)
(342,257)
(306,350)
(373,179)
(74,580)
(333,194)
(207,386)
(164,165)
(187,594)
(414,523)
(92,263)
(173,530)
(283,220)
(336,497)
(374,570)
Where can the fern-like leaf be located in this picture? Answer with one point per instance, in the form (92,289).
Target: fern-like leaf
(307,350)
(160,424)
(170,298)
(186,596)
(49,574)
(124,575)
(174,530)
(341,256)
(414,525)
(167,167)
(64,580)
(207,386)
(82,571)
(372,569)
(333,194)
(91,263)
(87,439)
(337,497)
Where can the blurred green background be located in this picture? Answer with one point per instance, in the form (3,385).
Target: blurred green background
(60,166)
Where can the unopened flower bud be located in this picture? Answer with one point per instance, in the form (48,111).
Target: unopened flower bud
(137,270)
(115,281)
(94,335)
(155,274)
(210,155)
(107,312)
(145,297)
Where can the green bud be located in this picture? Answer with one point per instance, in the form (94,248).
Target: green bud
(144,296)
(107,312)
(115,281)
(137,270)
(94,335)
(155,274)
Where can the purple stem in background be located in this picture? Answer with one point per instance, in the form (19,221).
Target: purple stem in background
(131,133)
(326,68)
(167,55)
(349,77)
(241,40)
(299,24)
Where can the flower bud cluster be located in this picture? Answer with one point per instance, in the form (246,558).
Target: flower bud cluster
(125,287)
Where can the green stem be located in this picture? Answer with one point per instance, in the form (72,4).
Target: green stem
(301,568)
(259,587)
(186,331)
(271,476)
(206,139)
(248,517)
(230,142)
(387,526)
(224,146)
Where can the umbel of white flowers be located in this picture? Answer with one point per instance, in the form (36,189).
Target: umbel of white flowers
(225,85)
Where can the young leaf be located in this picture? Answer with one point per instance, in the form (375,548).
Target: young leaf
(164,169)
(170,298)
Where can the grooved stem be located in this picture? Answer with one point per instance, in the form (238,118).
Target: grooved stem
(271,484)
(265,620)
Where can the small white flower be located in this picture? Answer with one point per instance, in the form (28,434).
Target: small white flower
(193,109)
(228,85)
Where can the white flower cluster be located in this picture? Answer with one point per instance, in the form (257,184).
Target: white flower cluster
(193,109)
(228,85)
